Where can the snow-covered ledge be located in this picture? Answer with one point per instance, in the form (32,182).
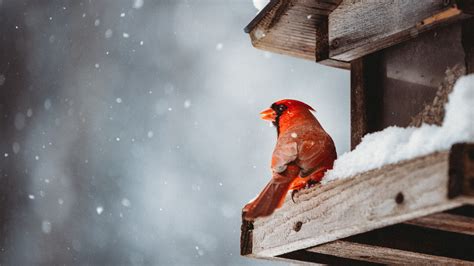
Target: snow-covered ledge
(393,176)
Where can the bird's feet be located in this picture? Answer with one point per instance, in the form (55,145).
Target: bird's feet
(293,192)
(311,183)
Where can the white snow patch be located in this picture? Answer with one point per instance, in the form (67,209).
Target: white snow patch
(126,202)
(118,100)
(99,210)
(137,4)
(16,147)
(187,104)
(31,196)
(122,15)
(260,4)
(395,144)
(46,227)
(126,35)
(97,22)
(47,104)
(150,134)
(108,33)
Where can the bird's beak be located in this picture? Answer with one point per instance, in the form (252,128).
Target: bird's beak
(268,114)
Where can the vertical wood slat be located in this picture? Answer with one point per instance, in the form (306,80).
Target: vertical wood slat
(358,103)
(461,170)
(468,44)
(366,97)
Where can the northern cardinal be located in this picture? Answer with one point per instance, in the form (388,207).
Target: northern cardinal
(303,153)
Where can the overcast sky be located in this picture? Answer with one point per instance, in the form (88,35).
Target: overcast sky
(130,130)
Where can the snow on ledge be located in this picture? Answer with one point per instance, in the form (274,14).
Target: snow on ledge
(395,144)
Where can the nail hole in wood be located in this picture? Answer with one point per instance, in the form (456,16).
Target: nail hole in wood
(297,226)
(399,198)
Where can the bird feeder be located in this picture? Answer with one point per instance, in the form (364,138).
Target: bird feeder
(403,57)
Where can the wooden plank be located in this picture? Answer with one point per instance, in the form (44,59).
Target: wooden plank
(358,28)
(306,257)
(446,222)
(420,240)
(291,27)
(389,195)
(382,255)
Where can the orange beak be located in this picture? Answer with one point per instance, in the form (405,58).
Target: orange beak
(268,114)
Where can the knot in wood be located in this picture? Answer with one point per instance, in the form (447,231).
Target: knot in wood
(335,43)
(446,3)
(399,198)
(297,226)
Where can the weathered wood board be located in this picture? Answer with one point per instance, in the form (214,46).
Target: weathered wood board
(358,28)
(382,255)
(291,27)
(378,198)
(446,222)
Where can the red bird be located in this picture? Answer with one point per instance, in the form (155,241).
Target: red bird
(303,153)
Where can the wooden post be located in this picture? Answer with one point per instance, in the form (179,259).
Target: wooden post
(468,44)
(366,97)
(461,170)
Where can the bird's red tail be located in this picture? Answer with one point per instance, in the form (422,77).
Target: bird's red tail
(271,197)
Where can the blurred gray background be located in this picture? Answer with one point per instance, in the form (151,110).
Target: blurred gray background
(130,131)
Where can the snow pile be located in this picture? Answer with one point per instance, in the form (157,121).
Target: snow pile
(395,144)
(260,4)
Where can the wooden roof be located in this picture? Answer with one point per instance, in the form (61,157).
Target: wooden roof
(336,32)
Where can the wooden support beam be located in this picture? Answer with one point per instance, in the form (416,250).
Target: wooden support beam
(378,198)
(296,28)
(358,28)
(468,44)
(446,222)
(366,97)
(383,255)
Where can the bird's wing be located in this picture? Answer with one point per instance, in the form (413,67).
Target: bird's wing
(286,151)
(315,152)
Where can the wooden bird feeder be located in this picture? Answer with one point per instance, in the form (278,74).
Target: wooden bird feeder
(404,57)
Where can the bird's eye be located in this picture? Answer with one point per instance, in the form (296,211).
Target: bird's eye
(281,108)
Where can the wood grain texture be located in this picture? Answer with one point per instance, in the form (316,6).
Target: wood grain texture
(461,170)
(366,97)
(359,125)
(446,222)
(365,202)
(358,28)
(468,44)
(290,27)
(382,255)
